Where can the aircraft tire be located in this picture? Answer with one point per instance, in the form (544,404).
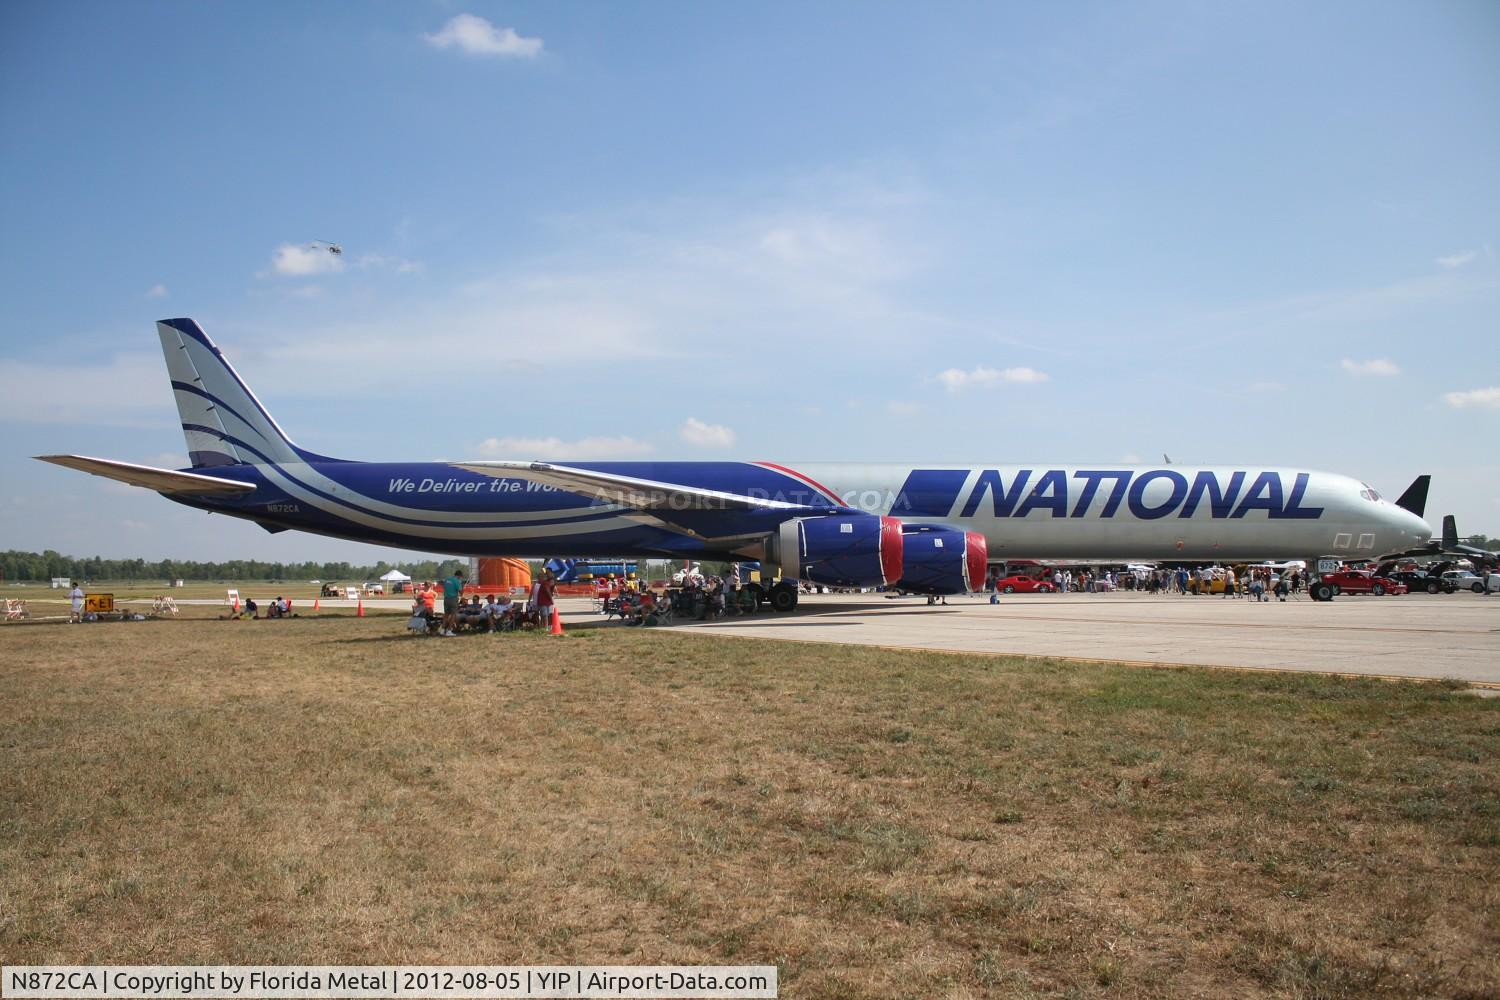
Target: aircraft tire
(783,598)
(1322,592)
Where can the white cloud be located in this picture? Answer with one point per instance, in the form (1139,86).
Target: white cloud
(902,408)
(300,261)
(1488,398)
(630,289)
(397,264)
(957,379)
(156,292)
(556,449)
(695,431)
(1381,367)
(123,390)
(1457,259)
(478,37)
(830,246)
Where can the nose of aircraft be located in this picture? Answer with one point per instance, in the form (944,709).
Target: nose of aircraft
(1412,528)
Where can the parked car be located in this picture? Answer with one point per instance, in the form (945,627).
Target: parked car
(1418,582)
(1023,585)
(1358,581)
(1462,579)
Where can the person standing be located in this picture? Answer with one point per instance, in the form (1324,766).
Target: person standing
(75,596)
(453,591)
(544,599)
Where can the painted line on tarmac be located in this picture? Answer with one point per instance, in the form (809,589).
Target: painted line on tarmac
(1197,624)
(1093,660)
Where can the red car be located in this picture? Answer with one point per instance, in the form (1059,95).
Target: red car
(1358,581)
(1023,585)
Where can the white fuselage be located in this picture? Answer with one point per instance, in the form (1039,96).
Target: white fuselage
(1039,511)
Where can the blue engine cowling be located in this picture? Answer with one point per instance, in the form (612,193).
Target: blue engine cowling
(839,550)
(942,560)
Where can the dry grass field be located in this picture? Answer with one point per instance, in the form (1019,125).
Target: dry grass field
(875,823)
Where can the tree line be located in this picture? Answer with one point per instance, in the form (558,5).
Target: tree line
(39,567)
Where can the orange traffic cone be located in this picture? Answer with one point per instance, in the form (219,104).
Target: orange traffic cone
(359,612)
(236,607)
(556,622)
(317,602)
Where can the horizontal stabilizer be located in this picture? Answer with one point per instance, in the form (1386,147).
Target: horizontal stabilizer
(1415,497)
(160,480)
(642,494)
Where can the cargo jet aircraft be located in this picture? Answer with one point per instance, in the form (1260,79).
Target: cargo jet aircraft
(926,528)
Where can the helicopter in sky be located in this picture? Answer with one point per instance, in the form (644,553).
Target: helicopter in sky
(333,248)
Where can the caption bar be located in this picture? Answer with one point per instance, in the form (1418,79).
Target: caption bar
(366,982)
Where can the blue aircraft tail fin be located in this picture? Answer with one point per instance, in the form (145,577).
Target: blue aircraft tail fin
(222,420)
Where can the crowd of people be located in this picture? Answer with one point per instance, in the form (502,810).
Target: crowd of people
(497,612)
(280,607)
(692,594)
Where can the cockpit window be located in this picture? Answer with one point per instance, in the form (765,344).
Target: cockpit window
(1368,493)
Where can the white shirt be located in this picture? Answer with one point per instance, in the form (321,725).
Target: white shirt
(77,596)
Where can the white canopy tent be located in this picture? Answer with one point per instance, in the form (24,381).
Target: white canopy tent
(395,575)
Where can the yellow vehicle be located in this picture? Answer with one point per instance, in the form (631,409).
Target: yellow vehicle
(1217,585)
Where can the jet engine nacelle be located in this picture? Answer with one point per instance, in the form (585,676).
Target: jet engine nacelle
(838,550)
(941,560)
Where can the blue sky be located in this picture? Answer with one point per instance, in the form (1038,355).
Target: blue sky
(1234,233)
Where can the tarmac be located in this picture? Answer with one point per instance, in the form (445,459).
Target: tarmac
(1413,636)
(1418,636)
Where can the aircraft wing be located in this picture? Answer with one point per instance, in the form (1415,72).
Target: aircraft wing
(160,480)
(642,494)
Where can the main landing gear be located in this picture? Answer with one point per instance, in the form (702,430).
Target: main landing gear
(783,597)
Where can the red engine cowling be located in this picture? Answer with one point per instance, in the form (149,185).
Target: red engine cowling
(943,560)
(839,550)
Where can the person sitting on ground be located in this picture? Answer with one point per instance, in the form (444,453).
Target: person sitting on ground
(634,611)
(649,605)
(472,614)
(420,612)
(251,610)
(492,612)
(507,613)
(273,610)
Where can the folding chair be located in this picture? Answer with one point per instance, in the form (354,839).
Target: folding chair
(662,614)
